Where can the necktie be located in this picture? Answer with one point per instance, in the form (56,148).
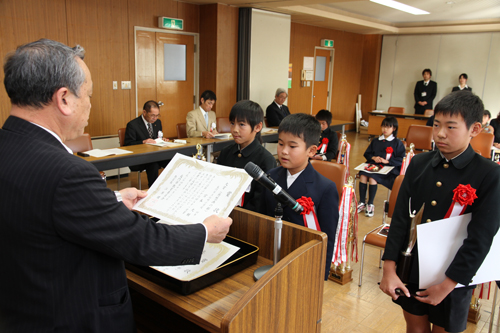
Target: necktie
(150,130)
(426,83)
(206,119)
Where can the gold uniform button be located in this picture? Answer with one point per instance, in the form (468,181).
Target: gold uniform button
(239,155)
(433,202)
(439,184)
(428,220)
(446,165)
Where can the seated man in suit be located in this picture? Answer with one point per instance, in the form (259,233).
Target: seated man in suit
(145,129)
(201,122)
(64,235)
(425,92)
(276,111)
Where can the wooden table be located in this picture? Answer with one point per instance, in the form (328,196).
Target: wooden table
(404,122)
(340,124)
(288,298)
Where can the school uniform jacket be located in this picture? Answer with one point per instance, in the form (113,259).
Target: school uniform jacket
(64,237)
(323,193)
(232,156)
(195,122)
(332,143)
(430,179)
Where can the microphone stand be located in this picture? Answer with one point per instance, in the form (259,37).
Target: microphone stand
(278,224)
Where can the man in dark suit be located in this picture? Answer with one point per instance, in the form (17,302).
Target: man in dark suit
(425,92)
(145,129)
(276,111)
(63,234)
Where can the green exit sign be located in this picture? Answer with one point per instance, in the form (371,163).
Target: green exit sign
(327,43)
(171,23)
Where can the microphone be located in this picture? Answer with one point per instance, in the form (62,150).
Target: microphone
(256,173)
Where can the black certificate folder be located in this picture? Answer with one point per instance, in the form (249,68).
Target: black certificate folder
(245,257)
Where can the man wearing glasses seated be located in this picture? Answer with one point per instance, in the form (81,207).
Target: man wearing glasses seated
(145,129)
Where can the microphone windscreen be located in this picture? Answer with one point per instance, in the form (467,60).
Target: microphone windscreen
(253,170)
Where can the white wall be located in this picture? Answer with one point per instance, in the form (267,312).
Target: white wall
(269,55)
(447,55)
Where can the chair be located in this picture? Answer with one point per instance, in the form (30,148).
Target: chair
(374,239)
(420,136)
(81,144)
(181,130)
(223,125)
(482,143)
(121,138)
(429,112)
(396,109)
(333,171)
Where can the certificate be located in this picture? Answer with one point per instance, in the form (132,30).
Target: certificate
(190,190)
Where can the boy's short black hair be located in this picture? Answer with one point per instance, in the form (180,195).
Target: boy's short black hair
(149,105)
(391,122)
(464,75)
(303,126)
(427,70)
(249,112)
(487,113)
(463,103)
(324,115)
(207,95)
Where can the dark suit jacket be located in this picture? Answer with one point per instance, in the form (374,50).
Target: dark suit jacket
(136,131)
(323,193)
(456,88)
(275,115)
(430,93)
(430,179)
(64,237)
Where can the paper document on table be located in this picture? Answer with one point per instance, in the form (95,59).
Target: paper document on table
(190,190)
(160,143)
(213,256)
(107,152)
(438,243)
(223,136)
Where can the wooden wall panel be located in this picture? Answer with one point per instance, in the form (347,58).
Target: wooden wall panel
(23,22)
(101,28)
(208,50)
(227,58)
(348,63)
(372,51)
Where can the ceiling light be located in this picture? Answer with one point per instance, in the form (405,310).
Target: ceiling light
(401,6)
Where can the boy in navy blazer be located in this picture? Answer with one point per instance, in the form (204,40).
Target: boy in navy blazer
(298,137)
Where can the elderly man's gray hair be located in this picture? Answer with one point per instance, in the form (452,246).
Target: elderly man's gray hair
(35,71)
(279,91)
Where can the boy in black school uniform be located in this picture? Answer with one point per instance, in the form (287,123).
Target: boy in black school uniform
(246,119)
(298,135)
(328,141)
(432,178)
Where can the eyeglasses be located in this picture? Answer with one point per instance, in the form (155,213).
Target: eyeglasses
(155,115)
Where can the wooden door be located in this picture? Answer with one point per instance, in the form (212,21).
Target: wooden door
(178,96)
(321,84)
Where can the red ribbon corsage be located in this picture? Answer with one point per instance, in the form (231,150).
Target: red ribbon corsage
(323,145)
(388,152)
(309,215)
(463,196)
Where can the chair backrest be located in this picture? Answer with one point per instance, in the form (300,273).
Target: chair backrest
(333,171)
(482,143)
(181,130)
(394,194)
(420,136)
(429,112)
(396,109)
(223,125)
(121,136)
(265,122)
(82,143)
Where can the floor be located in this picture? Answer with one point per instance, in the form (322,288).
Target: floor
(350,308)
